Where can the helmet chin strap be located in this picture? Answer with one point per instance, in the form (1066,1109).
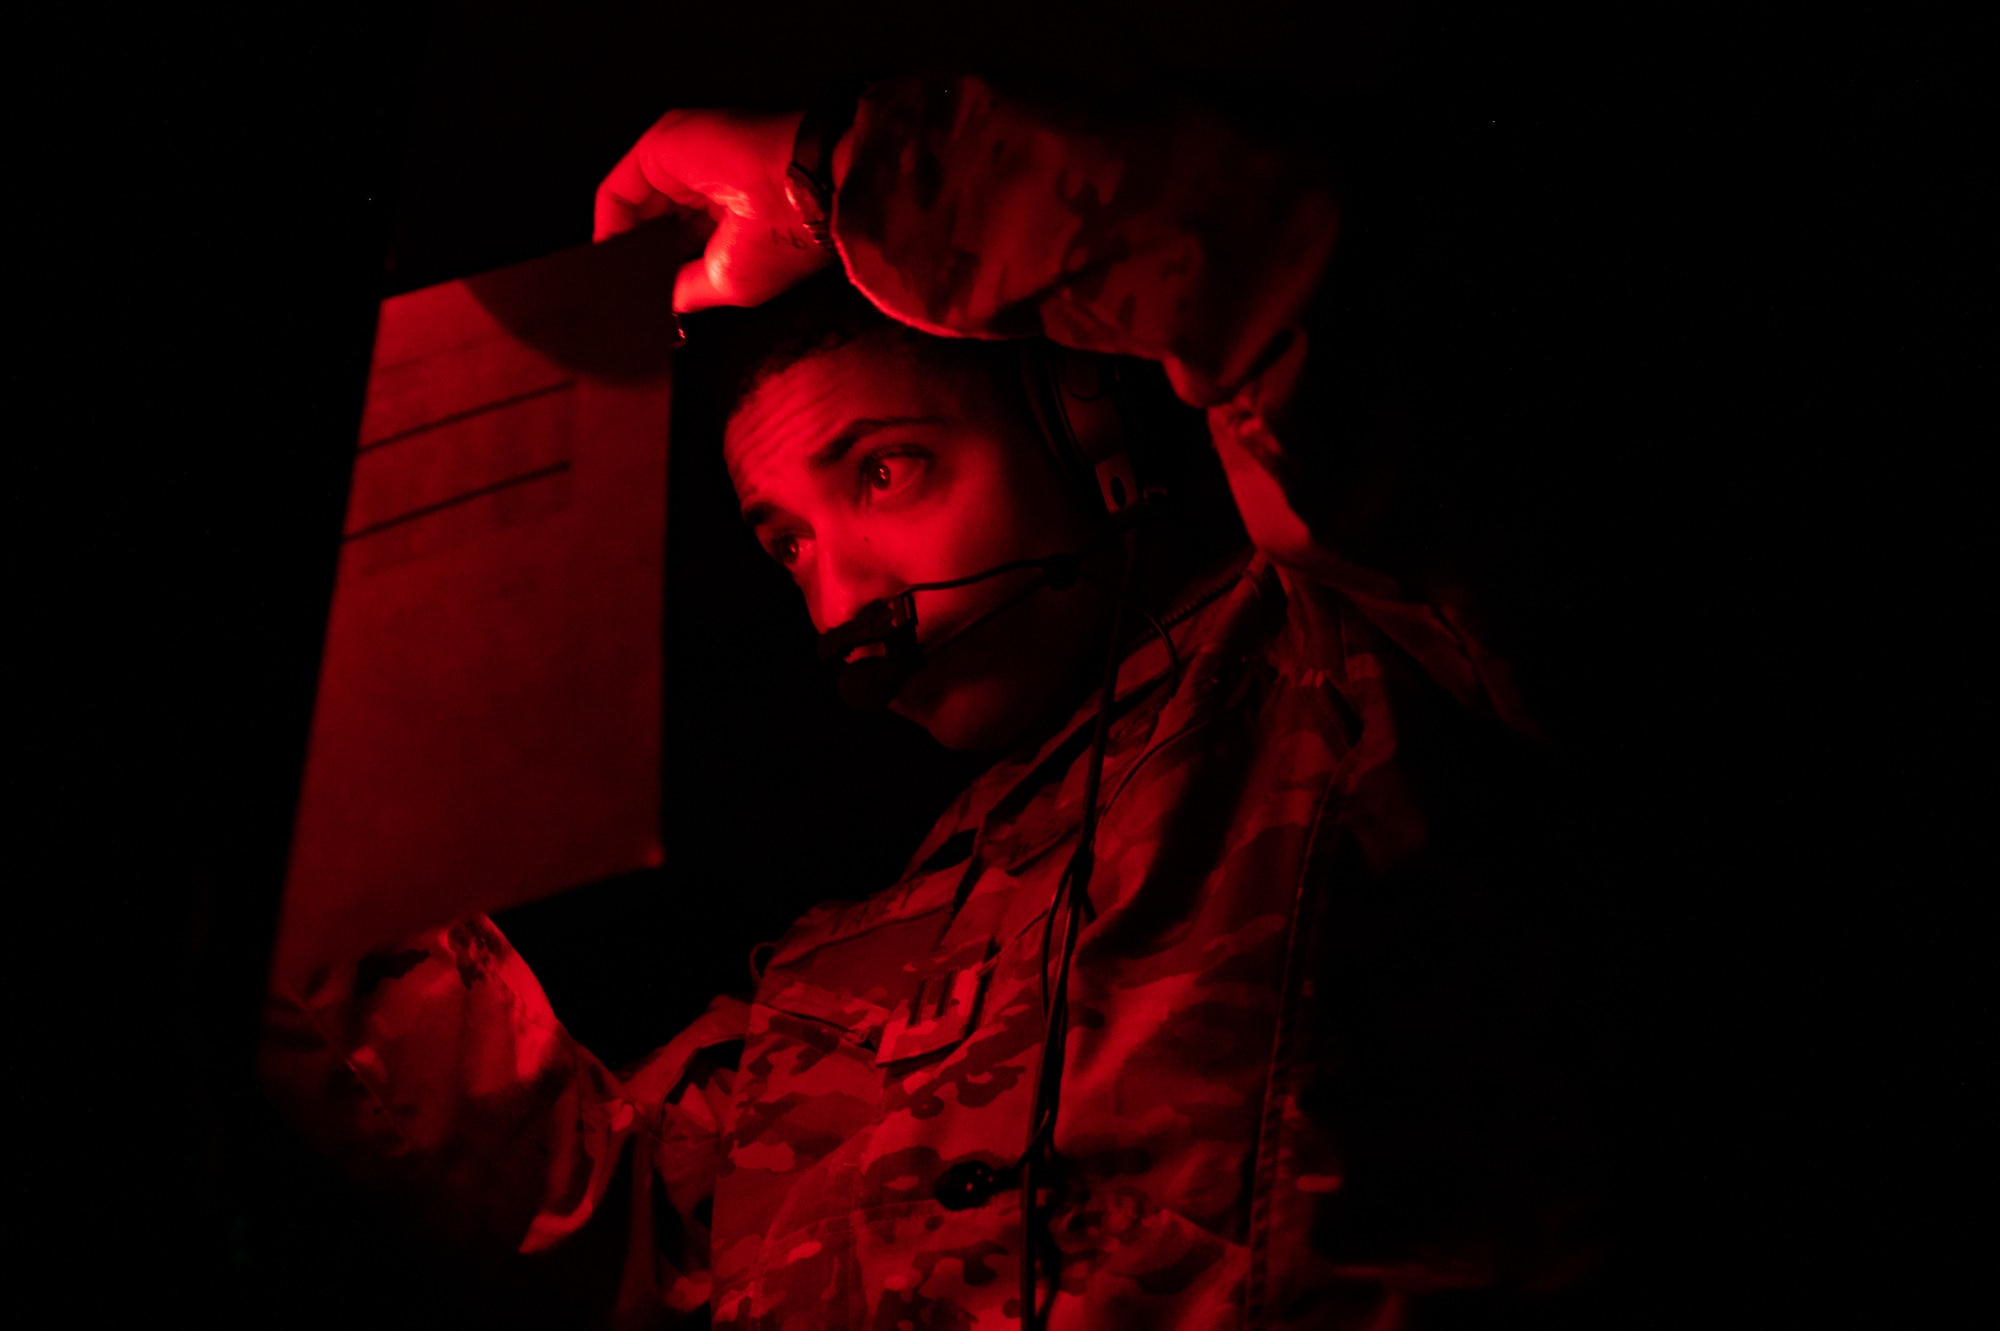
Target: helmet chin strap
(870,682)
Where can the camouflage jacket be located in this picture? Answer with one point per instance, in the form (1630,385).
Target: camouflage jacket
(1277,1107)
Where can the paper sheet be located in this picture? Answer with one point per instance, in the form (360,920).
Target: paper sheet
(487,726)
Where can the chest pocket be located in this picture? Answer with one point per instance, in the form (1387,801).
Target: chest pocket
(944,1007)
(827,1019)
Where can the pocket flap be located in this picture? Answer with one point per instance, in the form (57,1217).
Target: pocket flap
(856,1019)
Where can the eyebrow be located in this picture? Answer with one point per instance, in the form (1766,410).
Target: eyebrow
(838,447)
(829,454)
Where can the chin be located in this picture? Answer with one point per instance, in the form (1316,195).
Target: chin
(1009,677)
(968,717)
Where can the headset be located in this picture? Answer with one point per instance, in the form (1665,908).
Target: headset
(1085,407)
(1081,401)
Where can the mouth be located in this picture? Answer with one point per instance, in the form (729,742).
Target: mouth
(892,649)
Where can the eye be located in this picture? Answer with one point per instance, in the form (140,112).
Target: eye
(891,472)
(786,548)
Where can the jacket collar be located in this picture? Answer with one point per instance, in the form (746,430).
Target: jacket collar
(1013,780)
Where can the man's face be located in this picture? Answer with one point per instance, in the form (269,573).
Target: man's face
(868,468)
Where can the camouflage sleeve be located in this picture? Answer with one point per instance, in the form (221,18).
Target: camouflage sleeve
(436,1073)
(1285,511)
(1162,233)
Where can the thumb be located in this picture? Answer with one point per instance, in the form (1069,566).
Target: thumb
(692,288)
(741,266)
(711,278)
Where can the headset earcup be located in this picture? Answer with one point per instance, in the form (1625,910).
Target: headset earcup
(1076,399)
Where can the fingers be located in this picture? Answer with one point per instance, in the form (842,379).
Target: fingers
(643,185)
(626,198)
(726,167)
(615,216)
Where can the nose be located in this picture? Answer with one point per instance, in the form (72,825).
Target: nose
(846,577)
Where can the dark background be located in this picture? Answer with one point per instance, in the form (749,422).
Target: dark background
(1709,282)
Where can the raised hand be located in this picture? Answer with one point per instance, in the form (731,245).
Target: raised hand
(730,167)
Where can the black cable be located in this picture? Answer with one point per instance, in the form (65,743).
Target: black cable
(1059,570)
(1050,580)
(1071,896)
(1166,640)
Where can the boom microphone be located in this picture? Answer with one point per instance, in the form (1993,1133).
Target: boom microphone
(869,682)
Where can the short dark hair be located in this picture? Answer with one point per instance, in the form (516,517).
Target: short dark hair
(821,314)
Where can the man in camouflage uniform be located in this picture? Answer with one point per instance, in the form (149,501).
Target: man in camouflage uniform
(1301,1085)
